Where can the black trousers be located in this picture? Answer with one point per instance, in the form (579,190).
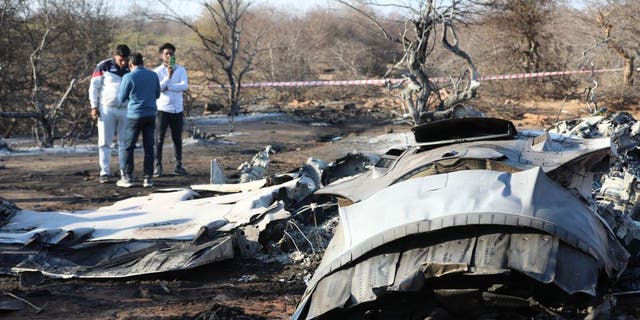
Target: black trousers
(174,121)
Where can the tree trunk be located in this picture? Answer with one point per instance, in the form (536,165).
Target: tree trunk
(233,101)
(628,71)
(46,136)
(617,48)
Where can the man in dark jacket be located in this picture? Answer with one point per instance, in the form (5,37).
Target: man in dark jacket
(141,88)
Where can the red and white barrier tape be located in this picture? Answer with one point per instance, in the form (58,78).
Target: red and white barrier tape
(544,74)
(317,83)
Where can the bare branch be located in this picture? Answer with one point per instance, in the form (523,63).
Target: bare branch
(372,19)
(63,98)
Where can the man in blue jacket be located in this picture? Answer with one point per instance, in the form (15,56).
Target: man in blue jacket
(141,88)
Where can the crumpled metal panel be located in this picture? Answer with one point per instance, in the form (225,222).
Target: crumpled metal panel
(491,253)
(448,257)
(534,255)
(541,256)
(527,197)
(116,260)
(376,272)
(576,271)
(408,277)
(349,165)
(143,235)
(524,199)
(517,153)
(332,292)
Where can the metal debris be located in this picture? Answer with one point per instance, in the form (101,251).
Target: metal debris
(7,210)
(594,126)
(255,169)
(479,220)
(175,230)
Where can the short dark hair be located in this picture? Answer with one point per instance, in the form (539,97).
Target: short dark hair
(167,46)
(123,51)
(136,59)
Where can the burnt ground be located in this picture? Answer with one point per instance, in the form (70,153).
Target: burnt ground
(235,289)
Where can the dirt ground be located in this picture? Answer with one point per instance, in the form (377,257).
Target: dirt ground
(68,181)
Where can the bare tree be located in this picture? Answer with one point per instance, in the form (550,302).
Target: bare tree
(427,23)
(521,29)
(220,30)
(619,24)
(60,39)
(13,57)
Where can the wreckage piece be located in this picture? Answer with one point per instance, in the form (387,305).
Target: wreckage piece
(143,235)
(249,186)
(103,259)
(216,174)
(463,230)
(257,167)
(350,165)
(462,130)
(596,126)
(464,144)
(159,215)
(231,187)
(7,210)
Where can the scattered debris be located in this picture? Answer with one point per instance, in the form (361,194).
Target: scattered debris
(197,133)
(173,230)
(473,219)
(594,126)
(479,220)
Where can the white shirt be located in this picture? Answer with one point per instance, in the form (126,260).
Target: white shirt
(171,88)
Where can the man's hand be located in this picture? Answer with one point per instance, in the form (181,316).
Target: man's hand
(170,70)
(95,114)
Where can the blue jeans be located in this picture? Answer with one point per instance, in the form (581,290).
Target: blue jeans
(147,127)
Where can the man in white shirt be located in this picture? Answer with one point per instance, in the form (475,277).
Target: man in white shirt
(173,82)
(105,107)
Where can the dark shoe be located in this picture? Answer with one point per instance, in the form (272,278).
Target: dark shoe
(147,183)
(157,171)
(181,171)
(124,182)
(103,179)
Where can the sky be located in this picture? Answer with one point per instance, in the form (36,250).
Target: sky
(191,8)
